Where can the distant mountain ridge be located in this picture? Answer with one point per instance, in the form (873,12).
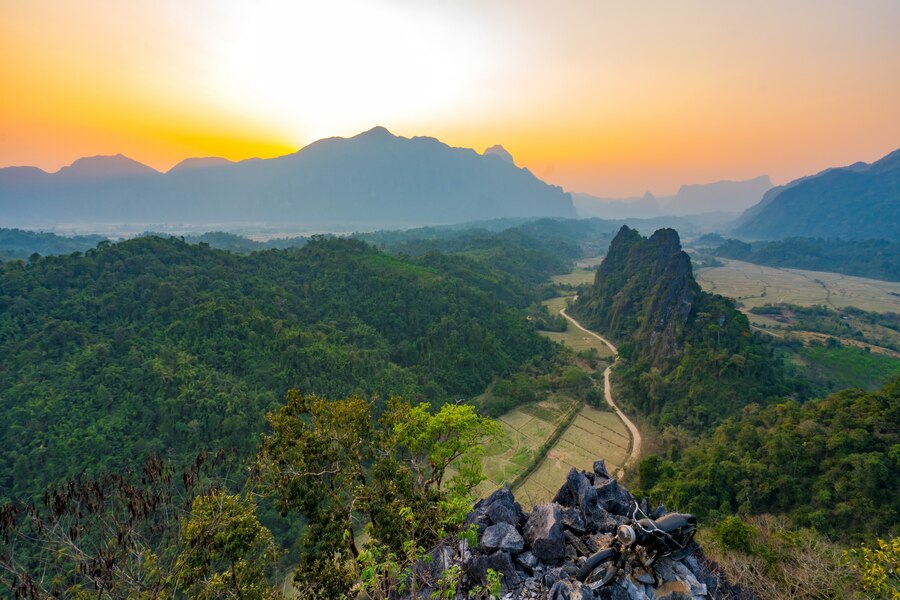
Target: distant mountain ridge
(860,201)
(691,199)
(374,178)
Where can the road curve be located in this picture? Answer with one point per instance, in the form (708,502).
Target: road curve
(607,391)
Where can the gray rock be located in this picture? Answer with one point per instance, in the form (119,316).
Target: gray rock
(501,507)
(586,499)
(612,497)
(570,590)
(554,575)
(564,497)
(575,542)
(660,511)
(498,561)
(528,560)
(544,533)
(502,536)
(641,575)
(612,592)
(600,469)
(685,574)
(479,518)
(611,523)
(572,520)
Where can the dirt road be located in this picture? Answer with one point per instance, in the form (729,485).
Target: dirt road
(607,392)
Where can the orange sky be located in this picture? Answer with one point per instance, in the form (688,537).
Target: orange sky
(612,98)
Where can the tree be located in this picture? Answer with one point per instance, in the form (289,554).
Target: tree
(406,476)
(226,549)
(159,535)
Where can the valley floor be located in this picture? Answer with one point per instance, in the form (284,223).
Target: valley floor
(579,433)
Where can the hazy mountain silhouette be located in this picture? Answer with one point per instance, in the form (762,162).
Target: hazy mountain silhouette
(861,201)
(501,152)
(694,199)
(640,207)
(372,179)
(722,196)
(200,163)
(104,167)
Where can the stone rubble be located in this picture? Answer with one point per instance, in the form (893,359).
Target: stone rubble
(538,554)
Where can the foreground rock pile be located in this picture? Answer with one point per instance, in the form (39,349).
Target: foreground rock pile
(538,553)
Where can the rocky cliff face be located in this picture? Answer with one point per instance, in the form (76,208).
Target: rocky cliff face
(538,553)
(643,292)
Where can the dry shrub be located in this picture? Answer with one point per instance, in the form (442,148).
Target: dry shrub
(786,563)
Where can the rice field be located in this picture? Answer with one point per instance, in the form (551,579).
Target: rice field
(755,285)
(525,430)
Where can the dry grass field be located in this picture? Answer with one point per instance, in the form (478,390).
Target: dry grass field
(755,285)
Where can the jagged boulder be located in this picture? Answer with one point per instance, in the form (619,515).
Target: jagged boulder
(500,562)
(501,507)
(600,469)
(502,536)
(612,497)
(585,497)
(544,533)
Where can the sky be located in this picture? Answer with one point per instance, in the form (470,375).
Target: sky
(609,98)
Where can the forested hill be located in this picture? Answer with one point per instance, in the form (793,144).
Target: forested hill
(157,346)
(689,356)
(831,464)
(861,201)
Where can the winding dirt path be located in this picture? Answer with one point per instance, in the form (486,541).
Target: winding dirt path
(607,392)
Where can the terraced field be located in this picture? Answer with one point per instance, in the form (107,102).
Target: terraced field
(593,434)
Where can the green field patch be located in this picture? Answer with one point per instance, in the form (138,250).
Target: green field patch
(554,305)
(838,367)
(578,340)
(525,430)
(516,418)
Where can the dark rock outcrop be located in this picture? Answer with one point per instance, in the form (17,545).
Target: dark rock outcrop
(538,555)
(644,292)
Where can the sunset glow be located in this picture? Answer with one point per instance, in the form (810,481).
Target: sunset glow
(608,98)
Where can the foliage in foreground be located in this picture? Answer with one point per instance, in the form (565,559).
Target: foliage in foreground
(159,534)
(405,476)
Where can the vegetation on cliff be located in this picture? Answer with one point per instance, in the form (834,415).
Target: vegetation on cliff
(689,357)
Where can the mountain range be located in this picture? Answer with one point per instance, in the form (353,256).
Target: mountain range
(861,201)
(372,179)
(692,199)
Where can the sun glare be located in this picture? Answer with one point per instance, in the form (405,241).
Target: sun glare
(340,67)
